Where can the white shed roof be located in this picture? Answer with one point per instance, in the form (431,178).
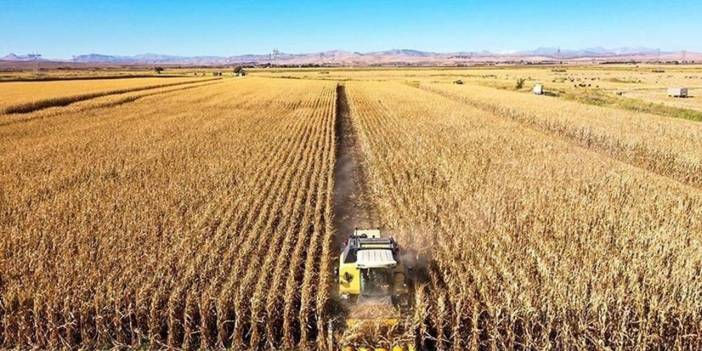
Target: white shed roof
(375,259)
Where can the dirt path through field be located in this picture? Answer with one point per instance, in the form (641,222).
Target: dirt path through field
(354,208)
(352,205)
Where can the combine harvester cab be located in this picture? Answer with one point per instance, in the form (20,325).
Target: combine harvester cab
(375,284)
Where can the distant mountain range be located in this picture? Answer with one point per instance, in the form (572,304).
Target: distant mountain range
(22,58)
(388,57)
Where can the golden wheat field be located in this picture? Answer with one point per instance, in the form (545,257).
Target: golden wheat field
(23,97)
(186,213)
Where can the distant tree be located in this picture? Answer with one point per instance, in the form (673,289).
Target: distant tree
(239,71)
(158,70)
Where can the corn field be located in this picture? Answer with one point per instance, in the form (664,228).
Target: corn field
(535,242)
(180,220)
(662,145)
(197,214)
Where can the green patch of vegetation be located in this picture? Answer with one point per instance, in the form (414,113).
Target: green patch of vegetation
(592,97)
(660,109)
(624,80)
(599,98)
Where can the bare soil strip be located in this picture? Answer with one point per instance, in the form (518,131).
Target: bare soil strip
(353,208)
(352,205)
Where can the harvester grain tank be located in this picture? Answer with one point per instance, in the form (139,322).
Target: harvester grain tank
(370,268)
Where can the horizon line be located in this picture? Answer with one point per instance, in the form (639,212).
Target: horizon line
(273,52)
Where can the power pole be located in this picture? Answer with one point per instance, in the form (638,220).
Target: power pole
(275,56)
(35,59)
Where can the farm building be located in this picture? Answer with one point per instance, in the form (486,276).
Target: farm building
(677,92)
(538,89)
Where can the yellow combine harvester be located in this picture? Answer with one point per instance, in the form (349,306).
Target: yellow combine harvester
(375,283)
(370,269)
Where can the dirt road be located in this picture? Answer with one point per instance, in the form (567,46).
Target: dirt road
(352,205)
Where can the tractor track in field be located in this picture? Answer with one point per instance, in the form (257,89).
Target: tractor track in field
(353,206)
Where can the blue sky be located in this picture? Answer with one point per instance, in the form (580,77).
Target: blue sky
(62,28)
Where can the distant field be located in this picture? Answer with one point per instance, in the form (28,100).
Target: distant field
(693,102)
(22,97)
(659,144)
(192,213)
(645,84)
(26,71)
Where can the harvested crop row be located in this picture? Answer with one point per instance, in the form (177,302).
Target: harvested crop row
(106,101)
(534,243)
(149,223)
(28,97)
(666,146)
